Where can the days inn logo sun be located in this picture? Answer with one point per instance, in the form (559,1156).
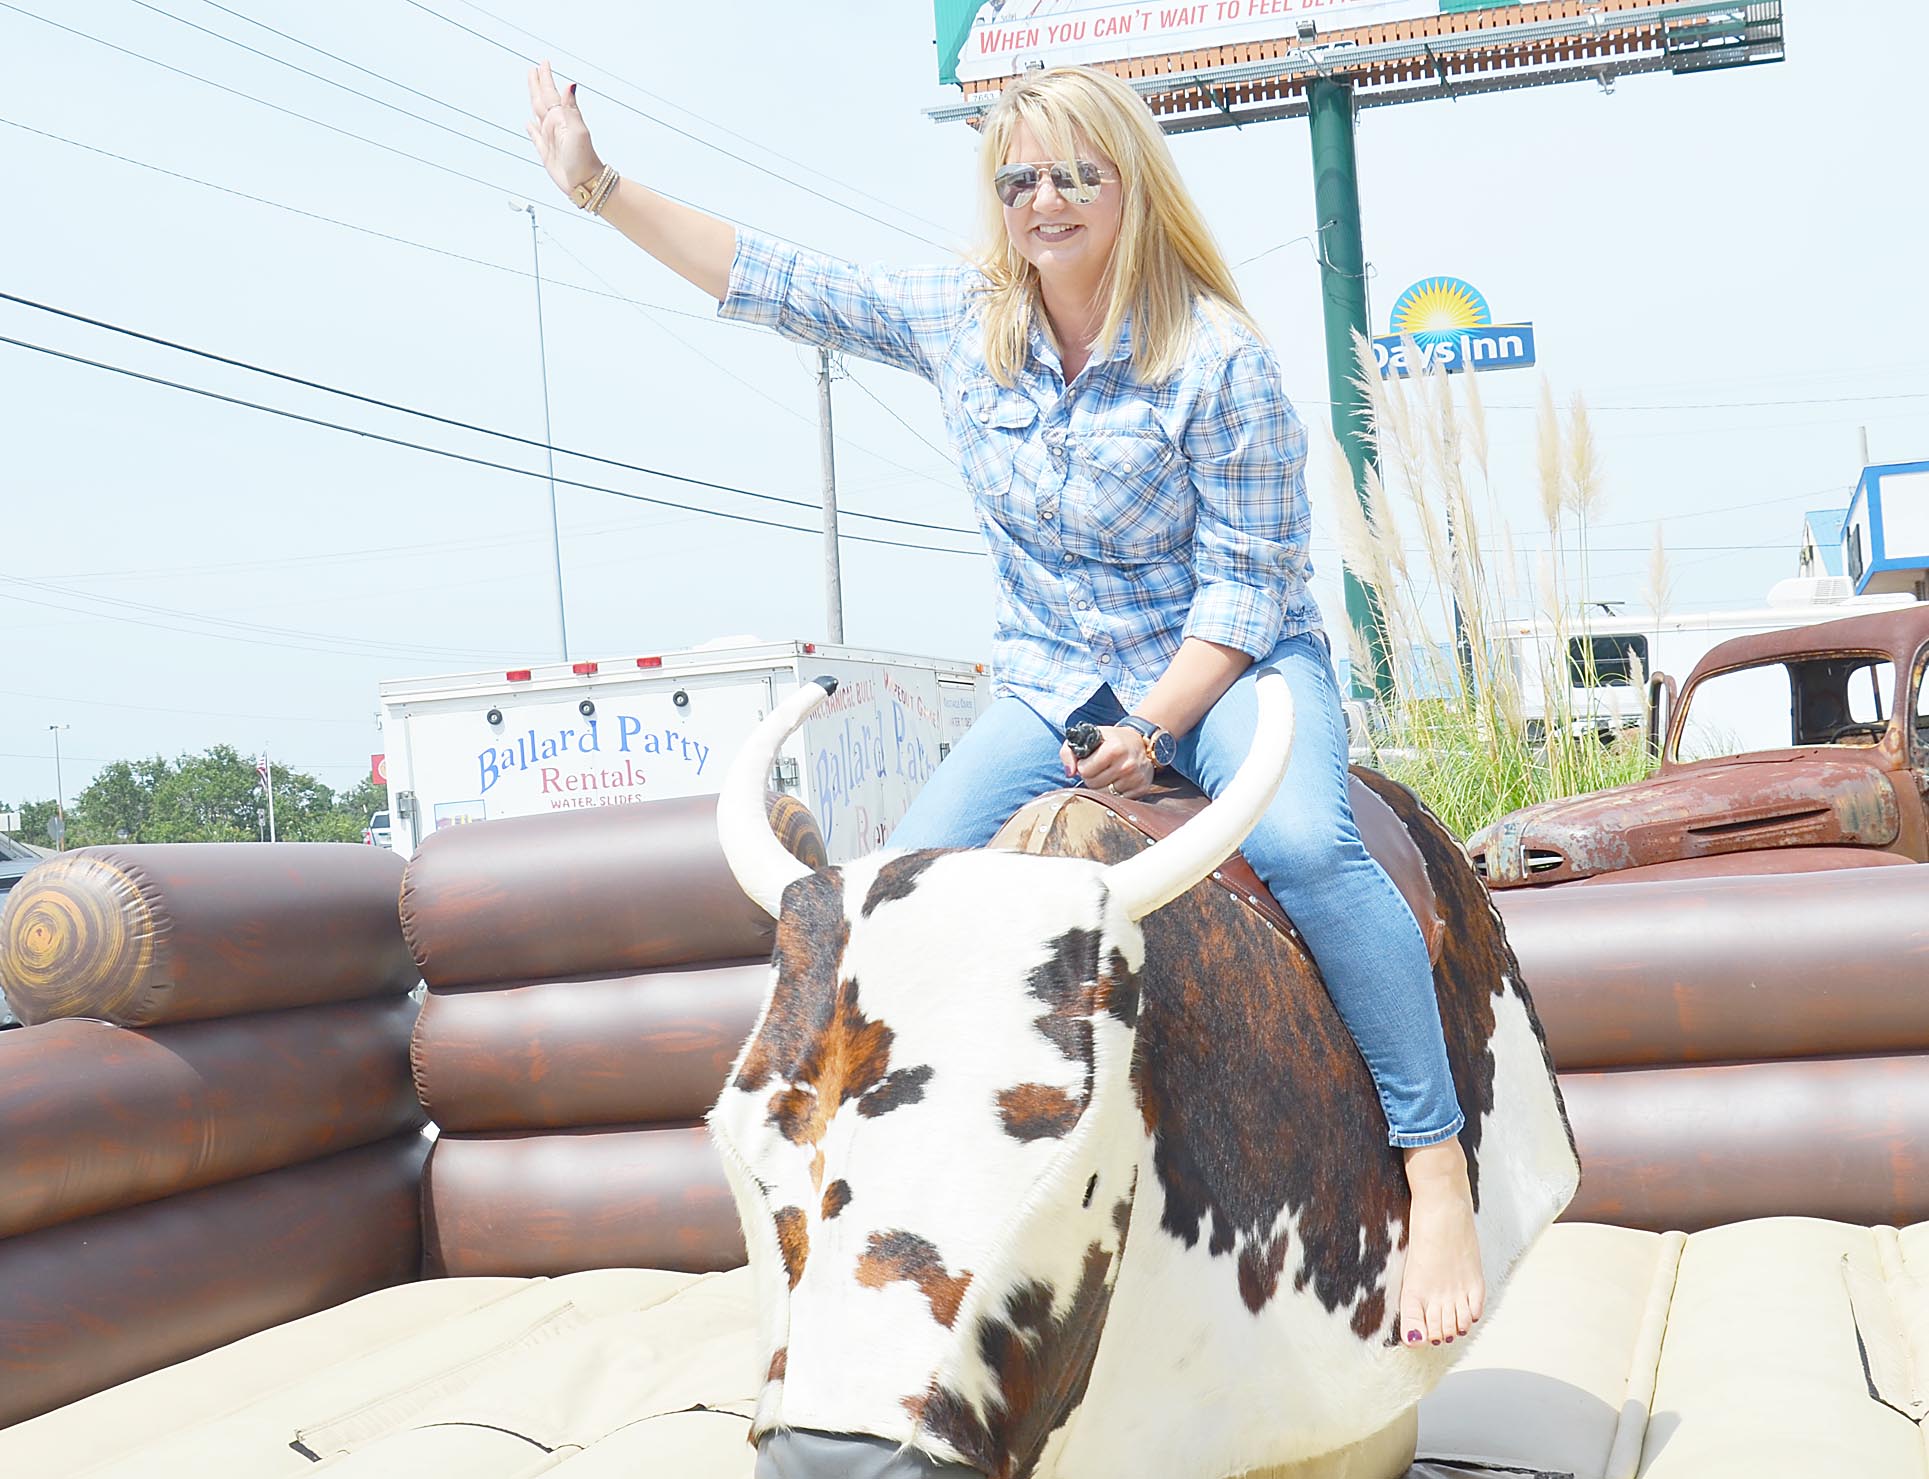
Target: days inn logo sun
(1452,329)
(1439,309)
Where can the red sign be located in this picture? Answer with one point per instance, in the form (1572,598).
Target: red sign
(378,769)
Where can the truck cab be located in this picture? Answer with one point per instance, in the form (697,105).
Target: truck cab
(1794,750)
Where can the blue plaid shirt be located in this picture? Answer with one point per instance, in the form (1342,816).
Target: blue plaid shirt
(1122,517)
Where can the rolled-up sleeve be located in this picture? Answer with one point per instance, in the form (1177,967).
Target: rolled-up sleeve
(1247,451)
(905,317)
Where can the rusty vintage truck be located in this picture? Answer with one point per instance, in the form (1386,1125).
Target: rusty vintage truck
(1791,751)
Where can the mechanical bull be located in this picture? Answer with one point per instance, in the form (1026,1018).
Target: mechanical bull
(1029,1188)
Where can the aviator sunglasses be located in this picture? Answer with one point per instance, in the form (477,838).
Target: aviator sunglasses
(1016,184)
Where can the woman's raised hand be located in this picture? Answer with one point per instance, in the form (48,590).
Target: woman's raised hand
(557,130)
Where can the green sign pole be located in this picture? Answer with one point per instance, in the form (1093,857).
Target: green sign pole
(1342,256)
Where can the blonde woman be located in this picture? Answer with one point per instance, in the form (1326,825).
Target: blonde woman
(1137,472)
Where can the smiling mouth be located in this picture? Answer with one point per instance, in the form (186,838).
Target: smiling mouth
(1056,233)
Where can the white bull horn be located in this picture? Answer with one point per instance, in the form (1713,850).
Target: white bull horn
(1159,874)
(762,865)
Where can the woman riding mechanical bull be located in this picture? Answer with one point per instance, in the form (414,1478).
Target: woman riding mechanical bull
(1138,473)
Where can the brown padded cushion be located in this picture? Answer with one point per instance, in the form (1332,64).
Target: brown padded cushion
(95,1117)
(622,1050)
(587,893)
(528,1204)
(1173,802)
(177,932)
(1688,1148)
(1707,970)
(88,1304)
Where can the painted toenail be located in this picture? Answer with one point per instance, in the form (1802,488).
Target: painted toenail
(1414,1336)
(1436,1342)
(1449,1340)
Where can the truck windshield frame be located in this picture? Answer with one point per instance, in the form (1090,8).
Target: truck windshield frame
(1826,697)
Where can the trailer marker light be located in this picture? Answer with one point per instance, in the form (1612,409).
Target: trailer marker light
(649,662)
(582,669)
(810,647)
(517,675)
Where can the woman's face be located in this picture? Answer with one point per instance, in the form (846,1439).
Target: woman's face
(1068,244)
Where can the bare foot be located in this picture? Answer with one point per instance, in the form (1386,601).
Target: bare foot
(1443,1293)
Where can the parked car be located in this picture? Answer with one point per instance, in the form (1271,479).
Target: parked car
(376,833)
(1785,751)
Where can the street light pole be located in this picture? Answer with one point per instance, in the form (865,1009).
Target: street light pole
(549,440)
(60,790)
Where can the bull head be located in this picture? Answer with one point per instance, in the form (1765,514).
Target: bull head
(1140,885)
(932,1134)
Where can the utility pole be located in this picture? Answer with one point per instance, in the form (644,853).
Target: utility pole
(833,577)
(1342,272)
(549,440)
(60,792)
(264,768)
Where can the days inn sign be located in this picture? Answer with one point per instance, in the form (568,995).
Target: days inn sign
(1453,330)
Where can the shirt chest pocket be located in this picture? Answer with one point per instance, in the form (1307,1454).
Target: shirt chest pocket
(1132,497)
(992,425)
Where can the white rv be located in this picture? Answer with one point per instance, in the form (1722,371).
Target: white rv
(1618,651)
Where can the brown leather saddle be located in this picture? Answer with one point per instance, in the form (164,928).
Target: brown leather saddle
(1173,802)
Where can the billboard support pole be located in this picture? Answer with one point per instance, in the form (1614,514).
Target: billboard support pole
(1342,260)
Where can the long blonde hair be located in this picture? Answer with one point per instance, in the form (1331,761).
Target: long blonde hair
(1165,259)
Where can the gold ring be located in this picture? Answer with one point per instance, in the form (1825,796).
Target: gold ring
(1114,789)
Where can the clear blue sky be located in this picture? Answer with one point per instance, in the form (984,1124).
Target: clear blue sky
(1728,266)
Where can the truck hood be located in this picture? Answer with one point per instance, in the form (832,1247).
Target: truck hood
(1709,809)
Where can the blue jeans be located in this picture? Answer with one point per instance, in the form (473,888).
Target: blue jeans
(1305,849)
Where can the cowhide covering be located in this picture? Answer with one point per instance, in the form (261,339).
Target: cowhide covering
(1037,1189)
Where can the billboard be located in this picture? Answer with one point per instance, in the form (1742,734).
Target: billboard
(981,40)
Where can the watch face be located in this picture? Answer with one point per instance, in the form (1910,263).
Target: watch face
(1164,747)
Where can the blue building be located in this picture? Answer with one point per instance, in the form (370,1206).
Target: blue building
(1821,542)
(1885,536)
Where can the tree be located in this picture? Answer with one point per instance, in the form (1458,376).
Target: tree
(117,805)
(362,800)
(215,796)
(34,819)
(211,797)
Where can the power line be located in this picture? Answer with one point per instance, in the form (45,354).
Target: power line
(452,422)
(1726,508)
(475,461)
(447,169)
(607,291)
(339,646)
(758,391)
(696,139)
(721,128)
(850,376)
(98,703)
(1825,400)
(411,648)
(521,156)
(295,765)
(369,72)
(333,557)
(295,210)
